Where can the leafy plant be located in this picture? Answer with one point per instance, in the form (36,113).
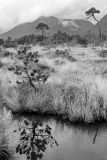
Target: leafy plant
(31,71)
(103,53)
(64,54)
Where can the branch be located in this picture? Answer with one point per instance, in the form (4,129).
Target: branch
(30,81)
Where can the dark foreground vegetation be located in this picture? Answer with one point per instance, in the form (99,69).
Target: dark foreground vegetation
(55,39)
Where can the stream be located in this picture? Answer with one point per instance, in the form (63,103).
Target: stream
(34,138)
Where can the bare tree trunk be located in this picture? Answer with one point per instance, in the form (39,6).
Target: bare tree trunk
(43,35)
(30,82)
(99,28)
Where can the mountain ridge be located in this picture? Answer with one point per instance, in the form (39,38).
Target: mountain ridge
(103,26)
(70,26)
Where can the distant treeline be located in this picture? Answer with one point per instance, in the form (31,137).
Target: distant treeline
(57,38)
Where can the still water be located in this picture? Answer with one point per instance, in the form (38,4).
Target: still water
(34,138)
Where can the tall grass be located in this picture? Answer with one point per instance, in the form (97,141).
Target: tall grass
(85,103)
(5,118)
(5,153)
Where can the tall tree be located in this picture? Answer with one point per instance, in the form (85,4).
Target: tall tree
(91,13)
(42,28)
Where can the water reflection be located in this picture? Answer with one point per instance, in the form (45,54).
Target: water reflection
(95,136)
(34,139)
(34,136)
(94,130)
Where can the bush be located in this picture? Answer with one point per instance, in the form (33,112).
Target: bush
(6,54)
(103,53)
(64,54)
(1,64)
(11,68)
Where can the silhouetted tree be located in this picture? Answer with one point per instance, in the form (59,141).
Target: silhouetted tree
(34,139)
(91,13)
(43,28)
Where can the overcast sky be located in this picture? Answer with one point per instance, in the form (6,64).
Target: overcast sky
(13,12)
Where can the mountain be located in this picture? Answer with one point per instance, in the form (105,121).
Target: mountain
(71,26)
(103,26)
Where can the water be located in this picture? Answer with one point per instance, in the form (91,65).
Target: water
(34,138)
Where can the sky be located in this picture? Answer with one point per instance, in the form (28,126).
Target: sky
(14,12)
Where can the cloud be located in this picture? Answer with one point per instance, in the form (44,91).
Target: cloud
(66,23)
(13,12)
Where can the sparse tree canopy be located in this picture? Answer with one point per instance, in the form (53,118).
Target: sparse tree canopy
(32,70)
(91,13)
(42,26)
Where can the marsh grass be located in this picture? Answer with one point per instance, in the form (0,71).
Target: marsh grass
(86,103)
(80,95)
(5,119)
(5,153)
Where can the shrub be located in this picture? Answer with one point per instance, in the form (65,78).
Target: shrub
(103,53)
(1,64)
(11,68)
(6,54)
(64,54)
